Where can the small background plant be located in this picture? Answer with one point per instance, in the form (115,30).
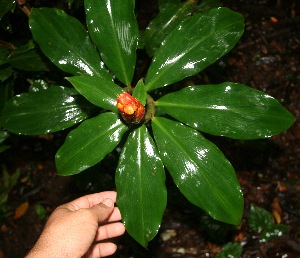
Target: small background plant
(159,138)
(7,183)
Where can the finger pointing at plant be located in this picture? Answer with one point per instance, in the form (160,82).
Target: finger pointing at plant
(73,228)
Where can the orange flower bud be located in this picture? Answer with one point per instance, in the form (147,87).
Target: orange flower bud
(130,108)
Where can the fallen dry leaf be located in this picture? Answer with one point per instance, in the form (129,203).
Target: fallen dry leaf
(21,210)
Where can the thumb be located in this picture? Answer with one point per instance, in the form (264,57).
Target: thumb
(104,209)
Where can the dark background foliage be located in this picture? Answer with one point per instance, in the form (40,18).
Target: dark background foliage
(266,58)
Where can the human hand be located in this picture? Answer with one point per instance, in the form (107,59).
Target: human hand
(73,229)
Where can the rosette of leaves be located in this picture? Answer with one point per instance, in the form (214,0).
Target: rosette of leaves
(166,141)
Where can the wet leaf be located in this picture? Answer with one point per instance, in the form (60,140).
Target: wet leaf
(230,250)
(195,44)
(140,93)
(38,85)
(3,135)
(227,109)
(21,210)
(6,6)
(30,60)
(199,169)
(206,5)
(99,91)
(169,17)
(114,30)
(260,220)
(65,42)
(140,181)
(89,143)
(45,111)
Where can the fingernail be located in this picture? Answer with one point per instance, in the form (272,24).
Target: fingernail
(108,202)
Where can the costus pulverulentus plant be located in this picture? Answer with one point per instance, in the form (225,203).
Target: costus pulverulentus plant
(157,132)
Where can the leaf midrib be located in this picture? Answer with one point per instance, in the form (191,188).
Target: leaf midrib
(163,71)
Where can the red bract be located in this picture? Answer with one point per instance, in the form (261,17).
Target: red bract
(130,108)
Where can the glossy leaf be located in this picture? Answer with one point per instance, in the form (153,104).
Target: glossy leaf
(228,109)
(195,44)
(89,143)
(99,91)
(169,17)
(38,85)
(27,58)
(5,6)
(46,111)
(206,5)
(233,250)
(199,169)
(28,61)
(65,42)
(261,221)
(140,93)
(140,181)
(114,30)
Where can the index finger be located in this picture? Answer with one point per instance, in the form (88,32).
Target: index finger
(90,200)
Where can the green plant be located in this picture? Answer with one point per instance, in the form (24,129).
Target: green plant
(3,136)
(40,211)
(230,250)
(155,131)
(261,222)
(6,184)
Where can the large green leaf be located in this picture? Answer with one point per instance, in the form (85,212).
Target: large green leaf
(45,111)
(206,5)
(199,169)
(99,91)
(140,181)
(114,30)
(229,109)
(65,42)
(168,19)
(89,143)
(195,44)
